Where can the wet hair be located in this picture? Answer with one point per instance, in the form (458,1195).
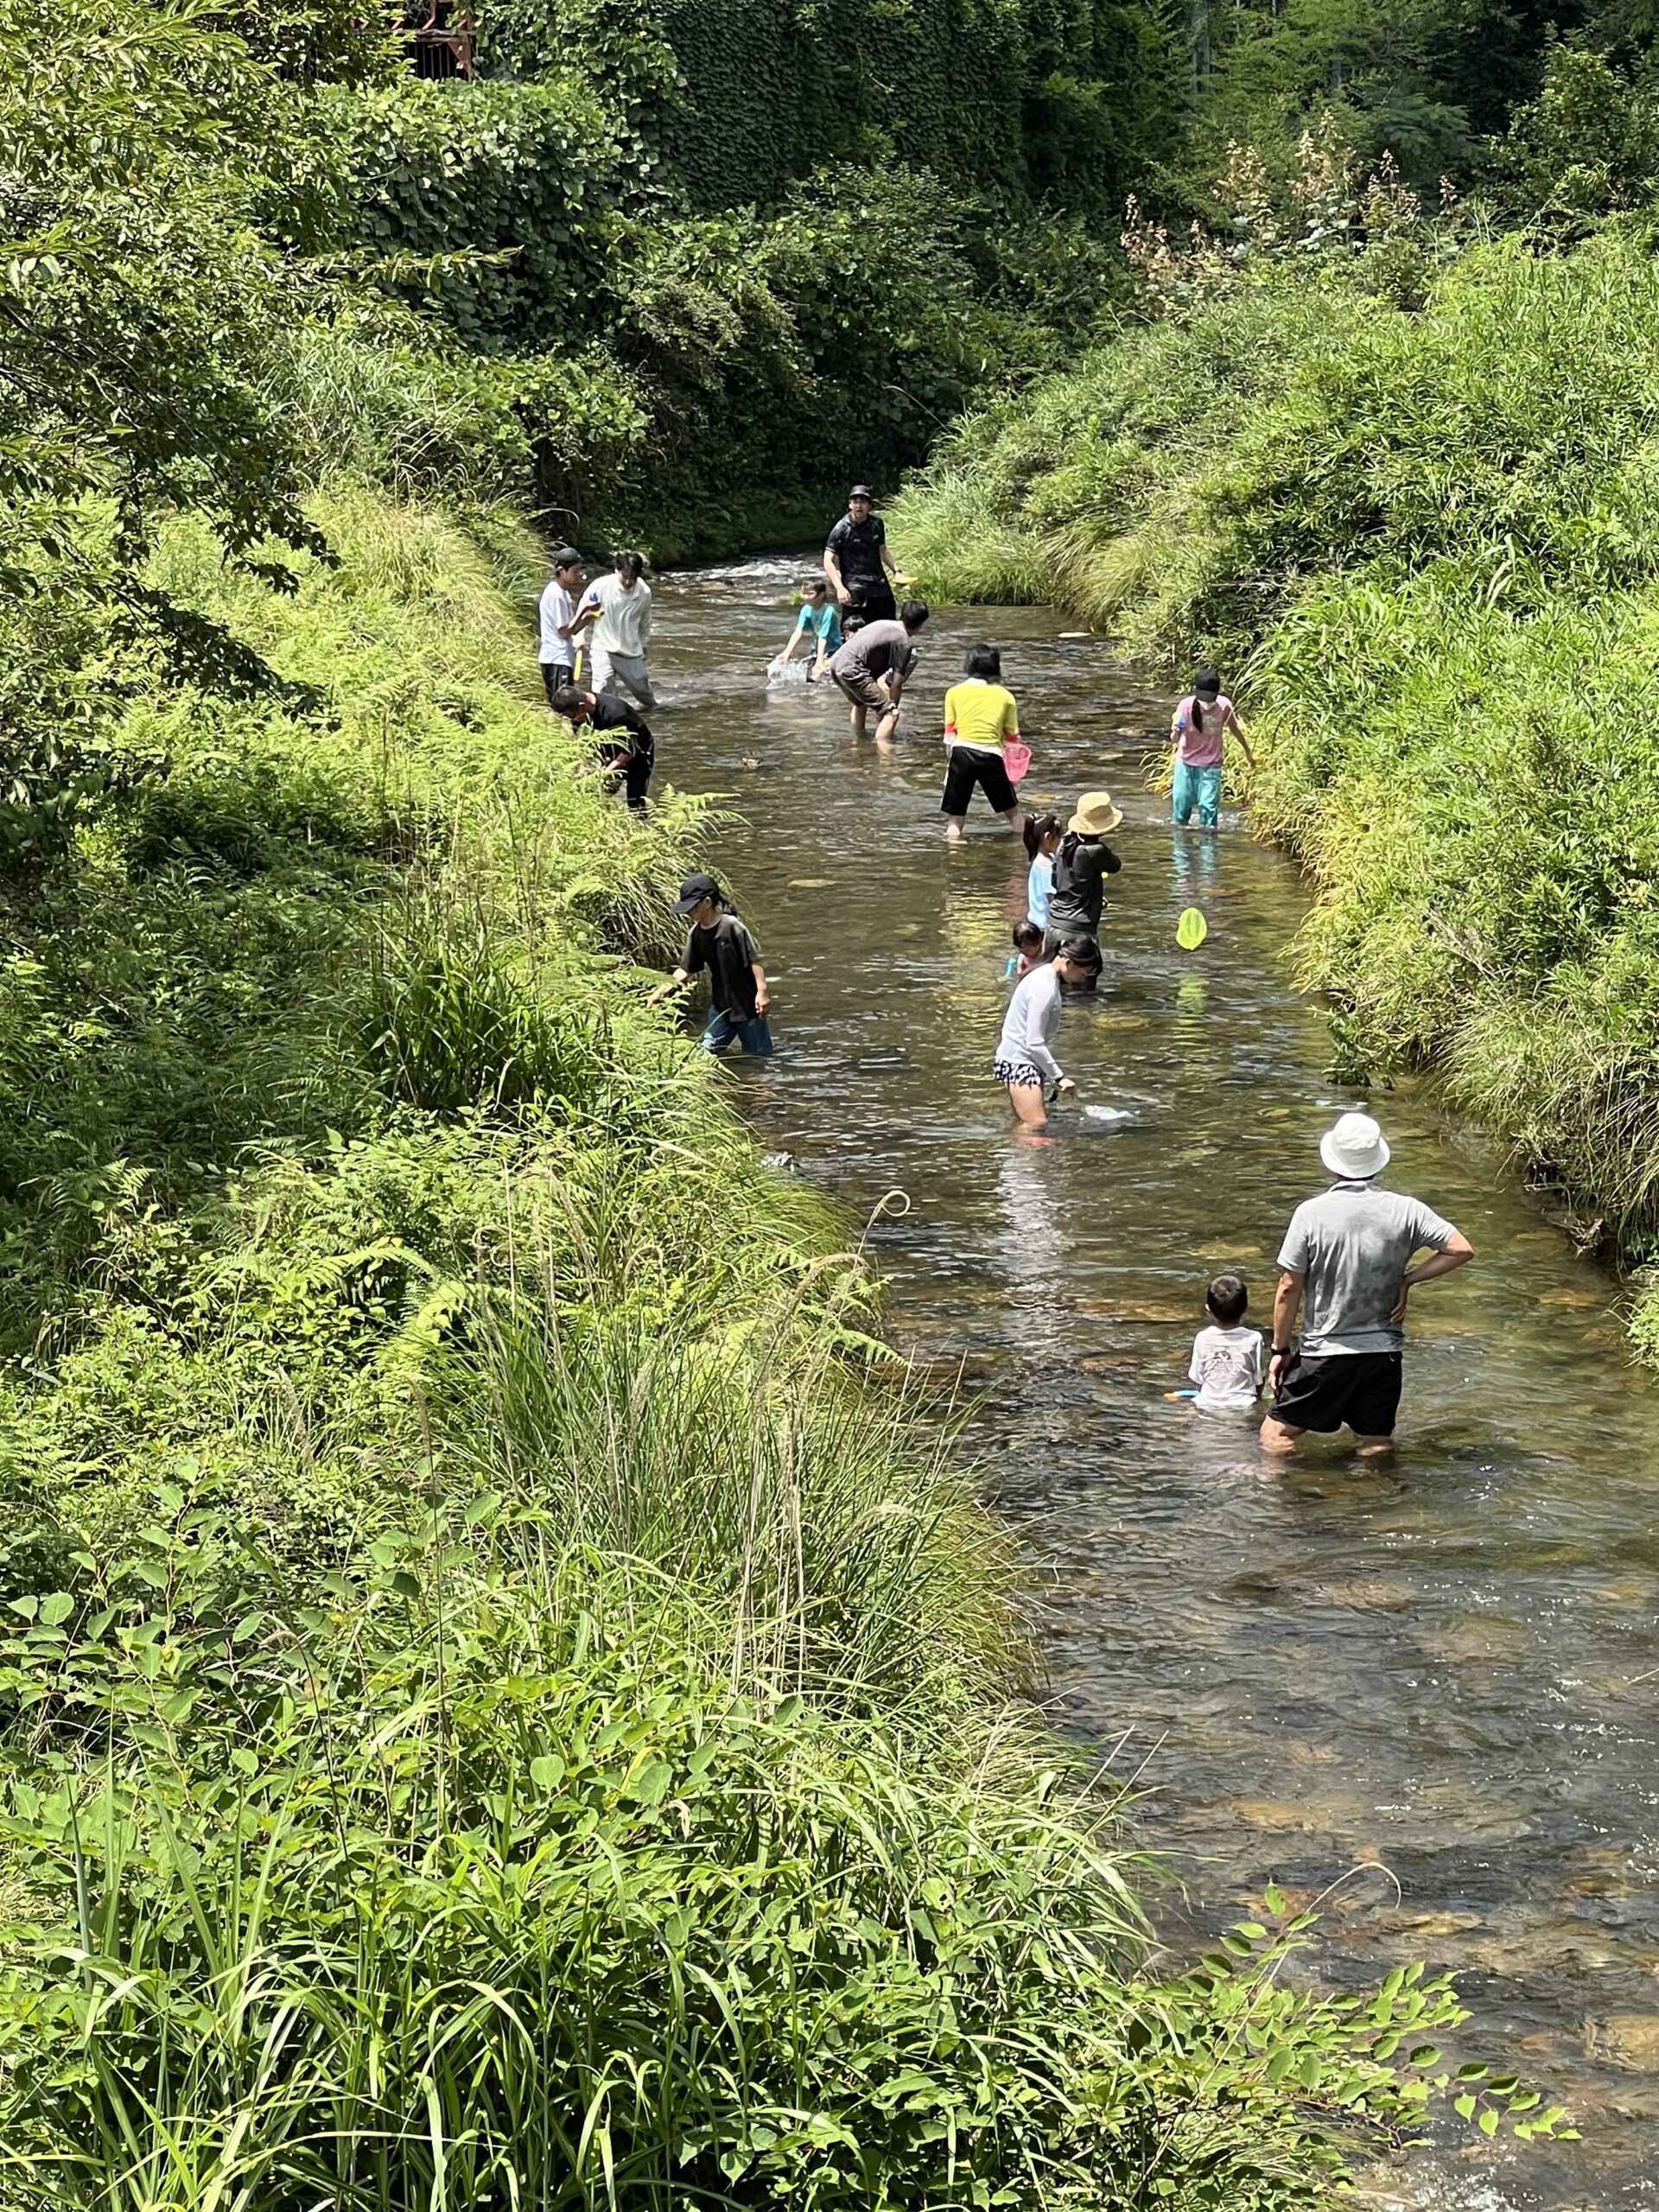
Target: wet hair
(1227,1298)
(629,565)
(1081,949)
(914,613)
(569,701)
(1038,826)
(983,661)
(1027,935)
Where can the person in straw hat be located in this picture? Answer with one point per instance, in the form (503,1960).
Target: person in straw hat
(1348,1253)
(1082,864)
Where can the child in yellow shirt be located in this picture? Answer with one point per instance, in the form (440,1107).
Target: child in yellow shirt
(980,718)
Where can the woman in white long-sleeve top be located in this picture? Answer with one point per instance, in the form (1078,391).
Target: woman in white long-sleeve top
(1025,1065)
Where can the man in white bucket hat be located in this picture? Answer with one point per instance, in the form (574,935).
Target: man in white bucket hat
(1349,1252)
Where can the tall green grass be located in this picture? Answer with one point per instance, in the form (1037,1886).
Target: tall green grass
(494,1707)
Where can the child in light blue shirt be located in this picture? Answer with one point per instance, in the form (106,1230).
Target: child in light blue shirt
(1042,834)
(818,621)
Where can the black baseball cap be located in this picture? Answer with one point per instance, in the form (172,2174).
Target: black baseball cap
(694,891)
(860,492)
(567,557)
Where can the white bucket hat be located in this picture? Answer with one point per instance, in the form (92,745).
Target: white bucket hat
(1356,1149)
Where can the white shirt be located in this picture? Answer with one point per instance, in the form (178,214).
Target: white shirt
(1228,1368)
(1032,1017)
(558,606)
(624,624)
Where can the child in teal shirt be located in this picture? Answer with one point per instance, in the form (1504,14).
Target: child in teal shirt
(819,620)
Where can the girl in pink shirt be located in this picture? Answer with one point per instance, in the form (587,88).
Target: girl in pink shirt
(1198,733)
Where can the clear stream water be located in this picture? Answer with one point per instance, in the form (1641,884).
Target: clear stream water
(1446,1667)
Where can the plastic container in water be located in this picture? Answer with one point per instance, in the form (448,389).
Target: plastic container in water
(792,671)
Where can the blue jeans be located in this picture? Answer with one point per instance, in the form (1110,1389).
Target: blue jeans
(1197,786)
(753,1034)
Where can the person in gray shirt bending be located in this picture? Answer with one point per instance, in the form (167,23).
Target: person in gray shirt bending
(1349,1253)
(871,668)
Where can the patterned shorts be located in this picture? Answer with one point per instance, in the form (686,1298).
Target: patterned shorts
(1019,1075)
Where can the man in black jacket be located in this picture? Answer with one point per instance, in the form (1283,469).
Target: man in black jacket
(858,564)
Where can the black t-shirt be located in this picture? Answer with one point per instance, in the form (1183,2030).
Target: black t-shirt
(612,713)
(857,548)
(728,952)
(1075,901)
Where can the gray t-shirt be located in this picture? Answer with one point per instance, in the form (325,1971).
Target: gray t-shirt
(877,649)
(1354,1243)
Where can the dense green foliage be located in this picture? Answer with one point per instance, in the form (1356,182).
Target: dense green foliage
(495,1705)
(1422,537)
(493,1696)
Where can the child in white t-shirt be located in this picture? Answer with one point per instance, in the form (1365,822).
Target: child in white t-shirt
(1228,1363)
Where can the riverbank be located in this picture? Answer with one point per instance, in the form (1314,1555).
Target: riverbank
(494,1692)
(1417,540)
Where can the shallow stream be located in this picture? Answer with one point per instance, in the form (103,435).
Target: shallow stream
(1446,1667)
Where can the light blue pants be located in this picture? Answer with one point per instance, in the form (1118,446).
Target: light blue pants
(1199,787)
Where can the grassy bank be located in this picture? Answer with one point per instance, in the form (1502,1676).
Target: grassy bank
(495,1703)
(1421,540)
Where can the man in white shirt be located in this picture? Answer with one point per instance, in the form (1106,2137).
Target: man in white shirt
(618,608)
(558,653)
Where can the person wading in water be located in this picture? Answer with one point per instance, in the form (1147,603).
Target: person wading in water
(858,564)
(1347,1253)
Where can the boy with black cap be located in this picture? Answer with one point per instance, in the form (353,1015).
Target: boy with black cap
(858,564)
(558,653)
(717,941)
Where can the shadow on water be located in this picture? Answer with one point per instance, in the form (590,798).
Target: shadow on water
(1445,1666)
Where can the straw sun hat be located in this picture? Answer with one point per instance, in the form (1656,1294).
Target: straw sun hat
(1095,815)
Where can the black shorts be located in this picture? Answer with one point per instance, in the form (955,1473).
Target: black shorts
(870,603)
(555,676)
(964,769)
(1360,1389)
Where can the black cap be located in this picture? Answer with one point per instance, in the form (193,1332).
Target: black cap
(1208,685)
(860,492)
(694,891)
(567,557)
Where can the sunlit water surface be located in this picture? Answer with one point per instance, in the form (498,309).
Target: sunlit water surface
(1445,1667)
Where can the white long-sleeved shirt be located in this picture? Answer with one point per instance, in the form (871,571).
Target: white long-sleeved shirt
(558,606)
(624,624)
(1032,1017)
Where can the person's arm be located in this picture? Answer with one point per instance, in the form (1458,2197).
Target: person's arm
(896,675)
(1287,1302)
(1110,862)
(1237,728)
(1456,1253)
(645,617)
(762,995)
(588,612)
(832,570)
(788,653)
(887,561)
(677,982)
